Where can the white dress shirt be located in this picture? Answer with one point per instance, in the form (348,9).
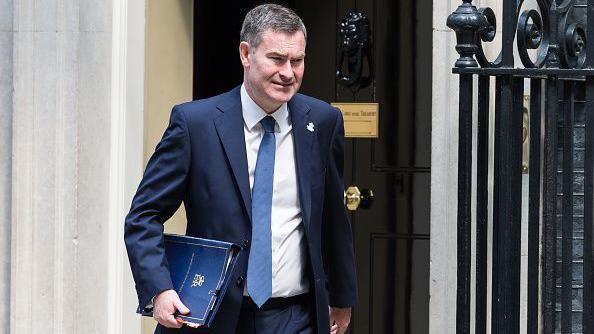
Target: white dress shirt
(288,241)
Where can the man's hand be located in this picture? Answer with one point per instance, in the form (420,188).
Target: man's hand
(166,304)
(339,319)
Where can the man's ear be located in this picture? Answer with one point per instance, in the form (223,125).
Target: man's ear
(244,52)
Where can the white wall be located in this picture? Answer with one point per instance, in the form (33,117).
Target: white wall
(444,173)
(70,100)
(6,43)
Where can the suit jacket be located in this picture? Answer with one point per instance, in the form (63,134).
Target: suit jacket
(201,160)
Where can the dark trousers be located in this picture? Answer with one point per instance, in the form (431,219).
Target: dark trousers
(293,315)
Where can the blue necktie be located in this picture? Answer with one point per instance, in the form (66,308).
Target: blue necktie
(259,275)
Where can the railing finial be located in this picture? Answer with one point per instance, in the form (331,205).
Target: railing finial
(467,22)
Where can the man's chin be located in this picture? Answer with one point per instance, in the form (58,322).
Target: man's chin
(284,97)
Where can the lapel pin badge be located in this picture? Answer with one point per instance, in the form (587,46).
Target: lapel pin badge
(310,127)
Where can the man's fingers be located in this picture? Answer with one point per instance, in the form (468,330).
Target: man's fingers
(167,304)
(166,316)
(181,307)
(171,322)
(341,317)
(333,329)
(191,324)
(343,324)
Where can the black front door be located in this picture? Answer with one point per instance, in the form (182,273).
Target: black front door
(392,232)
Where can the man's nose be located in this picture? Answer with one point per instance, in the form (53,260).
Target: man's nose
(286,71)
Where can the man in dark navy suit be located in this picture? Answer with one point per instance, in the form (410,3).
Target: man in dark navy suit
(261,166)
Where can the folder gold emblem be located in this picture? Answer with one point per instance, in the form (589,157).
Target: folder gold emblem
(198,280)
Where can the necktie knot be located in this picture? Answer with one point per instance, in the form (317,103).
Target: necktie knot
(268,124)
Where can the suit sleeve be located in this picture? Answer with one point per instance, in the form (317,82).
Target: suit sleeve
(338,239)
(159,194)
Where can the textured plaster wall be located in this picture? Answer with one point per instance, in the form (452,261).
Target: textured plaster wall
(55,97)
(6,92)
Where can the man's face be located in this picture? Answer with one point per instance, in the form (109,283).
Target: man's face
(273,71)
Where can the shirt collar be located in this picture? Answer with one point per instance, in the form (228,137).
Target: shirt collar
(253,114)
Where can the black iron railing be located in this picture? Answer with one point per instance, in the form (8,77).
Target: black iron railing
(556,67)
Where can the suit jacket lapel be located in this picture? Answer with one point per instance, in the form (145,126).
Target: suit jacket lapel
(302,141)
(230,129)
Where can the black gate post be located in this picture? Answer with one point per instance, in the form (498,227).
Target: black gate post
(482,210)
(507,203)
(549,207)
(560,200)
(588,316)
(467,22)
(464,204)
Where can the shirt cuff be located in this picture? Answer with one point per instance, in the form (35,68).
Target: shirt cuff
(150,305)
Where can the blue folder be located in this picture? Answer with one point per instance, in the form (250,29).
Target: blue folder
(201,270)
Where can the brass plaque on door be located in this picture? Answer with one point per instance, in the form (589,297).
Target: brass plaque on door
(361,120)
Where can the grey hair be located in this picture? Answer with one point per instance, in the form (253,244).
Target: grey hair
(269,16)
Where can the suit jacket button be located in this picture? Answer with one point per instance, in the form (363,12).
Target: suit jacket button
(239,281)
(246,243)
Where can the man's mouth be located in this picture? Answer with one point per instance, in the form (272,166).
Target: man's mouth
(283,84)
